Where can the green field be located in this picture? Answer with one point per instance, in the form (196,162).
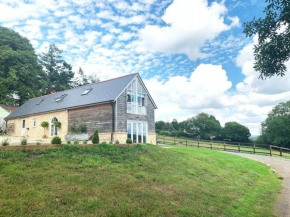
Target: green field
(143,180)
(244,147)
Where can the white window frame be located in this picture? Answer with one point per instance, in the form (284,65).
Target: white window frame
(138,109)
(137,130)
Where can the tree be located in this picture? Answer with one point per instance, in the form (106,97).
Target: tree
(21,76)
(276,128)
(44,124)
(85,79)
(236,132)
(175,124)
(59,72)
(203,126)
(273,48)
(160,125)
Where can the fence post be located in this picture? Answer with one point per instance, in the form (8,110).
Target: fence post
(254,147)
(198,143)
(239,146)
(163,140)
(270,150)
(210,144)
(174,140)
(186,142)
(224,146)
(281,151)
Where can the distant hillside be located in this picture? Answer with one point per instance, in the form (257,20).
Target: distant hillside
(254,137)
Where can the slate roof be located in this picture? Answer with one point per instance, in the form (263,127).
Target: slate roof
(105,91)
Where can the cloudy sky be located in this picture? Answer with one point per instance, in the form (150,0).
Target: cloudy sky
(192,54)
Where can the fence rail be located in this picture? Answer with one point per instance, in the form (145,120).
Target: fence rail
(227,146)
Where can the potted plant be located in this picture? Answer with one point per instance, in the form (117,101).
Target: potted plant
(44,124)
(57,124)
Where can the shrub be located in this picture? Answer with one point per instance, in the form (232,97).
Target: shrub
(76,142)
(117,142)
(68,142)
(78,129)
(44,124)
(96,138)
(5,142)
(38,142)
(129,141)
(111,142)
(85,142)
(103,143)
(23,141)
(56,140)
(82,128)
(57,124)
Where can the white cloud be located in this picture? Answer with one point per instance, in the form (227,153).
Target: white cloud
(189,24)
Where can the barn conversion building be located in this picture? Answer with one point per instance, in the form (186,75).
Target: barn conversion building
(119,108)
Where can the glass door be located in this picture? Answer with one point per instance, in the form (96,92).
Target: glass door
(137,131)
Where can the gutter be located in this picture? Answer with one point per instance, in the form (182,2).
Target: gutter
(113,120)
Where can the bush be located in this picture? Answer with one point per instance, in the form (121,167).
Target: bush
(78,129)
(96,138)
(23,141)
(5,142)
(44,124)
(56,140)
(111,142)
(38,142)
(68,142)
(85,142)
(57,124)
(129,141)
(76,142)
(117,142)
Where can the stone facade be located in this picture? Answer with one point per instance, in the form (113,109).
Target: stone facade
(37,131)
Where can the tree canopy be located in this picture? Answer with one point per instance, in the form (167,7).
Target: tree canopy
(236,132)
(21,77)
(59,72)
(83,79)
(276,128)
(273,48)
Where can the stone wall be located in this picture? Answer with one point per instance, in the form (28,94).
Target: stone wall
(37,132)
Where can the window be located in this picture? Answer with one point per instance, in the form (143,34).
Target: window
(60,98)
(136,98)
(137,131)
(40,102)
(53,129)
(87,90)
(34,123)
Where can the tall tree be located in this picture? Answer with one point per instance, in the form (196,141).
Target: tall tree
(175,124)
(203,126)
(236,132)
(21,77)
(276,128)
(83,79)
(59,72)
(273,48)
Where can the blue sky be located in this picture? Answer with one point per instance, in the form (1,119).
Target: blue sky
(192,54)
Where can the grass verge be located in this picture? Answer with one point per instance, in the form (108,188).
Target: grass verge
(133,181)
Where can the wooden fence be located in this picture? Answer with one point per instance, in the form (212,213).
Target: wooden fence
(227,146)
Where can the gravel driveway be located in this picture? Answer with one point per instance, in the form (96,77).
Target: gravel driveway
(282,167)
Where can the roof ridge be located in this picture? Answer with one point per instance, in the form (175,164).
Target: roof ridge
(136,73)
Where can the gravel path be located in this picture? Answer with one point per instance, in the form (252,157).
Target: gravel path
(282,167)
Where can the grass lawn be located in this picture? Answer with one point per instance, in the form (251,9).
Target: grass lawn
(248,148)
(134,181)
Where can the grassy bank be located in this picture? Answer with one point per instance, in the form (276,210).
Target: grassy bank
(133,181)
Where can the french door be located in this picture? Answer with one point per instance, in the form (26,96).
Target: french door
(137,131)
